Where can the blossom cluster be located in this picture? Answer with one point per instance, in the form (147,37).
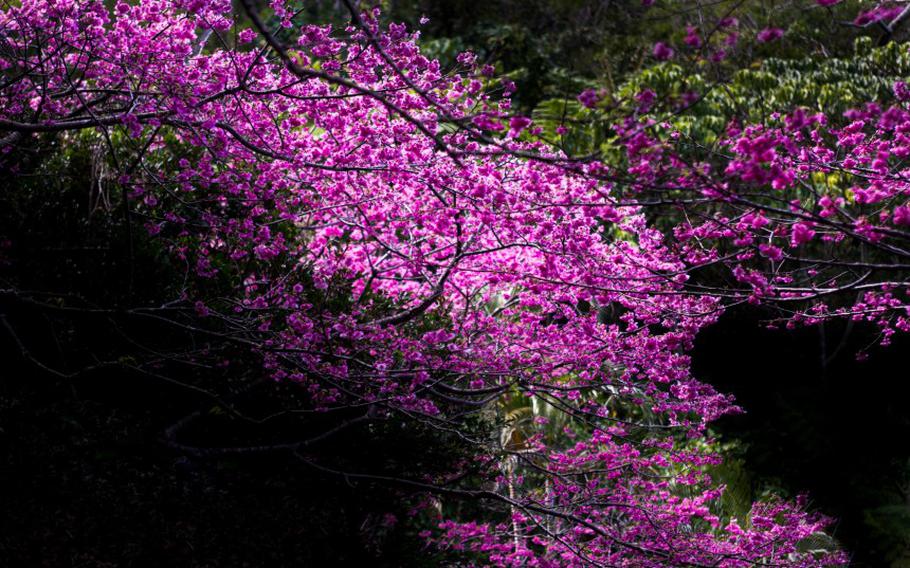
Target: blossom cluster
(394,244)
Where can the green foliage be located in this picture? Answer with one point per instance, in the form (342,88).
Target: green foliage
(551,48)
(829,85)
(750,95)
(890,527)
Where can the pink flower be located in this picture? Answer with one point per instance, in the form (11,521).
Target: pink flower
(646,98)
(662,51)
(589,98)
(438,336)
(718,55)
(517,124)
(770,251)
(467,58)
(901,91)
(692,38)
(878,14)
(201,309)
(487,122)
(902,215)
(801,234)
(770,34)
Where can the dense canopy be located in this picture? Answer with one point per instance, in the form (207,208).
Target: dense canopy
(402,246)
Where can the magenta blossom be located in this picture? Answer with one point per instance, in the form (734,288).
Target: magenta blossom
(770,34)
(389,266)
(692,38)
(517,124)
(589,98)
(662,51)
(901,91)
(802,233)
(902,215)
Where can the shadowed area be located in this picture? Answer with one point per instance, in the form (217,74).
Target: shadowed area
(819,421)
